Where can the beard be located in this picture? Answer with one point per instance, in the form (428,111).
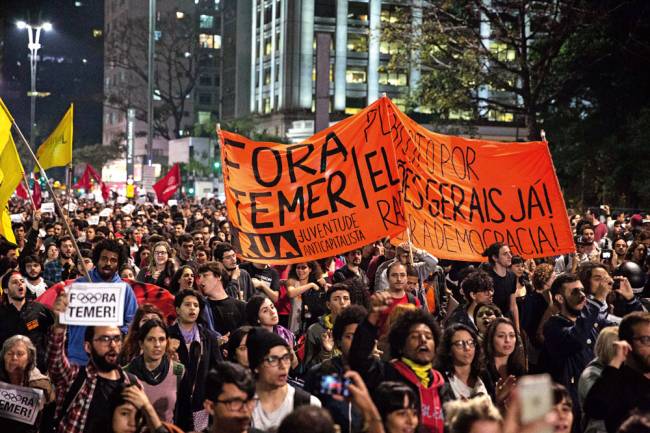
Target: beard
(641,363)
(102,363)
(31,277)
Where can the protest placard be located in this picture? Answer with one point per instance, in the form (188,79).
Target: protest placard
(461,195)
(95,304)
(334,192)
(16,217)
(128,208)
(106,212)
(20,403)
(172,202)
(47,207)
(93,220)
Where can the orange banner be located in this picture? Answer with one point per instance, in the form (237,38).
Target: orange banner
(462,195)
(334,192)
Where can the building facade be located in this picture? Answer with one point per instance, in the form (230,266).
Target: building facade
(269,62)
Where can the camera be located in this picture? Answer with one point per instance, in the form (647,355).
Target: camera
(333,384)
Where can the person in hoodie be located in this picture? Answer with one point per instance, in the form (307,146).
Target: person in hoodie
(108,258)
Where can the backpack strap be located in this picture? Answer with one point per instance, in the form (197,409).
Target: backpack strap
(411,299)
(301,398)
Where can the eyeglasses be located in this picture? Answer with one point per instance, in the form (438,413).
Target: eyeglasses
(106,339)
(273,360)
(237,404)
(229,257)
(464,344)
(644,340)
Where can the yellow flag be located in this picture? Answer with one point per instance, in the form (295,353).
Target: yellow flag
(11,169)
(5,124)
(5,226)
(56,150)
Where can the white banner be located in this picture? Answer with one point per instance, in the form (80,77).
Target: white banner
(19,403)
(95,304)
(47,207)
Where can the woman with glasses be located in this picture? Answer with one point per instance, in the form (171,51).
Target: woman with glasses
(459,359)
(159,375)
(505,361)
(161,266)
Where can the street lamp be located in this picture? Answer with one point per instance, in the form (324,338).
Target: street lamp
(34,35)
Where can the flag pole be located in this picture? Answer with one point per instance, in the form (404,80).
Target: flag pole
(68,178)
(29,192)
(56,202)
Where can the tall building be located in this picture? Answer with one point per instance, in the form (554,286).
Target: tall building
(269,62)
(187,65)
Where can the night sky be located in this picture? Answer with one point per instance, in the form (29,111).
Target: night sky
(61,70)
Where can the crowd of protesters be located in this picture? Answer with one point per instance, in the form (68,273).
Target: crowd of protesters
(384,339)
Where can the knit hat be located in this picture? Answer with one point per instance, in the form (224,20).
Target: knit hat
(259,343)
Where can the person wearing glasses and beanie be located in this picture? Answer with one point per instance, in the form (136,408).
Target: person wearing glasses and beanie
(270,357)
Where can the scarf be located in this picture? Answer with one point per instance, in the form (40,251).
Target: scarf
(431,416)
(421,371)
(327,321)
(191,335)
(151,377)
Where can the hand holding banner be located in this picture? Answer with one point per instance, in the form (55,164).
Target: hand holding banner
(95,304)
(336,191)
(20,403)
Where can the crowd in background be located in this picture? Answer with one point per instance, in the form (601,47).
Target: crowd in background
(386,338)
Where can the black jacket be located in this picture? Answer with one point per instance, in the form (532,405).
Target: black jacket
(33,320)
(198,361)
(615,394)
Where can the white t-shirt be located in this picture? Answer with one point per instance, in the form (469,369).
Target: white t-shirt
(265,421)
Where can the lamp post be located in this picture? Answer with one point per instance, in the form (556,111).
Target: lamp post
(34,35)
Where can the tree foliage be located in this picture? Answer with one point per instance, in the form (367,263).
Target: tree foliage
(177,61)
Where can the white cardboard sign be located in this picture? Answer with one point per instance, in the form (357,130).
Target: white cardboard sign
(47,207)
(95,304)
(20,403)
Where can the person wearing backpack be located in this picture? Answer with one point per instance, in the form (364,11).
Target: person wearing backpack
(82,393)
(269,357)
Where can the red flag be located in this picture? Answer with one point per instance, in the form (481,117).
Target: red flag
(37,195)
(84,181)
(21,191)
(106,191)
(167,186)
(91,170)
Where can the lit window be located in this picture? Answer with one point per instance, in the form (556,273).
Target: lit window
(355,75)
(393,78)
(267,47)
(357,43)
(267,105)
(460,115)
(502,52)
(156,95)
(500,116)
(206,21)
(386,47)
(180,15)
(204,117)
(78,4)
(352,111)
(97,33)
(210,41)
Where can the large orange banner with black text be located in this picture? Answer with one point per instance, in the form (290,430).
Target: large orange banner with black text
(334,192)
(461,195)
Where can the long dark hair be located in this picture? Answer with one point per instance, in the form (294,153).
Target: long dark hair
(444,359)
(131,346)
(315,272)
(516,360)
(175,285)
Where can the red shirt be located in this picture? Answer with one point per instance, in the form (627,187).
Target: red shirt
(396,301)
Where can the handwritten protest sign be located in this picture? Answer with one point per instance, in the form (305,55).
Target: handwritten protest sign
(334,192)
(461,195)
(95,304)
(16,217)
(47,207)
(20,403)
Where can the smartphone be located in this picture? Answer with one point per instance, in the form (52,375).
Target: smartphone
(536,395)
(333,384)
(606,254)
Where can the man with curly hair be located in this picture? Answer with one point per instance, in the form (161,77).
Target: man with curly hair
(413,339)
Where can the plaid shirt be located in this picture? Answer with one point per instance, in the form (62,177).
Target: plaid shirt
(52,271)
(62,374)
